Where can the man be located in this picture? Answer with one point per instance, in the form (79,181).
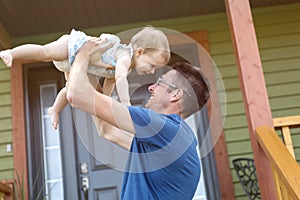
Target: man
(163,162)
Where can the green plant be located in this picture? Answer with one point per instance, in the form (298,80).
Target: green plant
(19,192)
(19,188)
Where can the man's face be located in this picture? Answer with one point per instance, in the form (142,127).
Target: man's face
(160,92)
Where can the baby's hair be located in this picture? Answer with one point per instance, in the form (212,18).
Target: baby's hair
(152,40)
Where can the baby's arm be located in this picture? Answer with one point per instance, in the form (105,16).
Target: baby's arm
(57,50)
(122,68)
(59,104)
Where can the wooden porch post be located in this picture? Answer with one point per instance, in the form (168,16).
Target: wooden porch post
(253,87)
(18,125)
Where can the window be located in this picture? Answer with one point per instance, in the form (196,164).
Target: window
(51,146)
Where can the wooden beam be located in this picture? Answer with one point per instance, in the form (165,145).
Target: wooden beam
(18,124)
(253,88)
(287,121)
(5,39)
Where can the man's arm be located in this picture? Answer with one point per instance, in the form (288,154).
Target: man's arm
(107,131)
(113,134)
(83,96)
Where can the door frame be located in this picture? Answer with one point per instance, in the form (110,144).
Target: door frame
(19,122)
(36,75)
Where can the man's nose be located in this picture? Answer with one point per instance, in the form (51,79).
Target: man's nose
(151,87)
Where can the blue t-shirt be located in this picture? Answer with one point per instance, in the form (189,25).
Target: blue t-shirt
(163,162)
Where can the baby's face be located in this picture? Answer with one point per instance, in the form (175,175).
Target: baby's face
(148,63)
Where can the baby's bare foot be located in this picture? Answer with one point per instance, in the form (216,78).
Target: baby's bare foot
(54,117)
(6,57)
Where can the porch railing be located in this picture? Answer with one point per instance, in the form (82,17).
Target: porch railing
(286,170)
(285,124)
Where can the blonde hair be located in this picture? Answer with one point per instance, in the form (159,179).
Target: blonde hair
(152,40)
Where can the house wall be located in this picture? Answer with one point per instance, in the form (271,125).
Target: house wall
(6,157)
(278,33)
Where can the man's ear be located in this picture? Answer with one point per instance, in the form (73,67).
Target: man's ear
(176,94)
(139,51)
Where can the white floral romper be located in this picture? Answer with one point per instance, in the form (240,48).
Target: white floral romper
(77,39)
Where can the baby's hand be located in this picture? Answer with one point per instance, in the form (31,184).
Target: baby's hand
(98,63)
(6,57)
(108,66)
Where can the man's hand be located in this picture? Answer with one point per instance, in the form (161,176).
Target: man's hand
(93,45)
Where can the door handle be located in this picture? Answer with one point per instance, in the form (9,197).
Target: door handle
(85,187)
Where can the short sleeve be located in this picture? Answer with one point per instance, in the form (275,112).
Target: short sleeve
(153,128)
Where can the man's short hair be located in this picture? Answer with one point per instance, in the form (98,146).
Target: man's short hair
(199,85)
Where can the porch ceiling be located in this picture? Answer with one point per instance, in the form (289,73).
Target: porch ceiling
(20,18)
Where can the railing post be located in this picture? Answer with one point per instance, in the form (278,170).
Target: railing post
(285,168)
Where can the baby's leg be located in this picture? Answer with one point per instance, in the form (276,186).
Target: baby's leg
(99,88)
(57,50)
(108,86)
(59,104)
